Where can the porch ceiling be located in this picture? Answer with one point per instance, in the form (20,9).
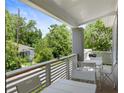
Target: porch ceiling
(75,12)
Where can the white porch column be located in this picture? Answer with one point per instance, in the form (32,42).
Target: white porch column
(78,42)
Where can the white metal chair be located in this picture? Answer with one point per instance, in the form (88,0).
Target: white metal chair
(108,73)
(29,85)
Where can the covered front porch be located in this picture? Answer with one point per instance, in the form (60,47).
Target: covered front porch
(74,13)
(49,72)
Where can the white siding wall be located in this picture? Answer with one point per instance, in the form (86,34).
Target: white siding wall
(115,50)
(115,42)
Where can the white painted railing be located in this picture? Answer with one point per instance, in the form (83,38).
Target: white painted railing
(106,56)
(48,72)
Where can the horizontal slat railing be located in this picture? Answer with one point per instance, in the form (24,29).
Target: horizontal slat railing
(48,72)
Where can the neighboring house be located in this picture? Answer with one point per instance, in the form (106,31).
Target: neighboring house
(26,51)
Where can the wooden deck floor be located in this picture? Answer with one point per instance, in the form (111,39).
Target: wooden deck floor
(107,87)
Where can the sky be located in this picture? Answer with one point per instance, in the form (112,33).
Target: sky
(43,21)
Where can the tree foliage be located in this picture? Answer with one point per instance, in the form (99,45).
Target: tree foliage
(97,36)
(59,40)
(13,60)
(11,56)
(28,35)
(9,27)
(56,42)
(42,51)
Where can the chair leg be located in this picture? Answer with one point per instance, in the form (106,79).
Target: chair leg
(114,86)
(107,76)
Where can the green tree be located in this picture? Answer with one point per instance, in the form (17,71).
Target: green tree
(98,37)
(13,60)
(9,26)
(56,42)
(27,31)
(28,34)
(42,51)
(59,40)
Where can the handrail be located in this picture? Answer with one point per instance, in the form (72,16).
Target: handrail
(26,69)
(103,51)
(48,72)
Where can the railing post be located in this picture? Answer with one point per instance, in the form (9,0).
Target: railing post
(48,75)
(67,68)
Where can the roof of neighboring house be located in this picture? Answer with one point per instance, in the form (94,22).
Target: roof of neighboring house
(24,47)
(21,47)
